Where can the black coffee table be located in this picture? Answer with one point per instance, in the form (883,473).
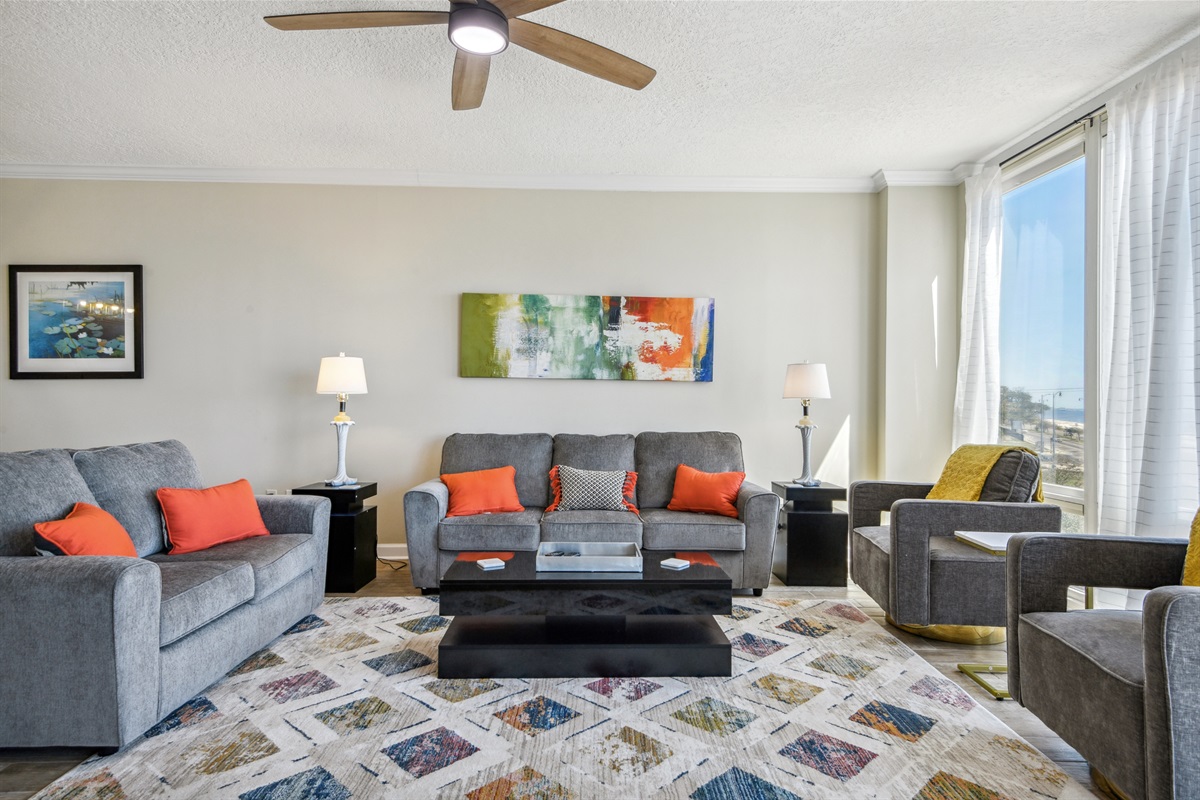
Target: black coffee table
(521,623)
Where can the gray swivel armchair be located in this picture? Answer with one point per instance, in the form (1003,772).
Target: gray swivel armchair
(1121,687)
(928,582)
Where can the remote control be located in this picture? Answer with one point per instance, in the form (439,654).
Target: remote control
(675,563)
(490,563)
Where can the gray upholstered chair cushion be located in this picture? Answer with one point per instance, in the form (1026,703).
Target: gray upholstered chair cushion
(591,526)
(276,560)
(966,584)
(39,486)
(194,593)
(683,530)
(511,531)
(1095,699)
(658,455)
(529,453)
(1013,479)
(124,480)
(870,554)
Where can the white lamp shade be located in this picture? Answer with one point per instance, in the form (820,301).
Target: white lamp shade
(806,381)
(342,374)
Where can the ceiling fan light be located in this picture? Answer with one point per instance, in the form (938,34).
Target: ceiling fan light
(478,29)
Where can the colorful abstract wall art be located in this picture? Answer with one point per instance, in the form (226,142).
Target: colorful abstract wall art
(588,337)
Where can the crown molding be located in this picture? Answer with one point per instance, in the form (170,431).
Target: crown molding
(931,177)
(384,177)
(967,169)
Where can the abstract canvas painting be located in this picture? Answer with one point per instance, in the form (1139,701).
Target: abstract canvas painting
(589,337)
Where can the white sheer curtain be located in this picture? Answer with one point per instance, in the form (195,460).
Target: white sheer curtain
(977,393)
(1149,482)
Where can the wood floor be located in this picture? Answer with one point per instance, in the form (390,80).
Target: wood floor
(24,772)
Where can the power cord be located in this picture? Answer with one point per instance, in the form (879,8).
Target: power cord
(391,563)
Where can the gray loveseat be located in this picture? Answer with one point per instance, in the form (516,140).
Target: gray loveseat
(96,650)
(742,546)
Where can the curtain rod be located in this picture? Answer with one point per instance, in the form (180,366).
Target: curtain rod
(1050,136)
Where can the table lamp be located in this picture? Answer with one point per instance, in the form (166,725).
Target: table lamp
(807,382)
(343,376)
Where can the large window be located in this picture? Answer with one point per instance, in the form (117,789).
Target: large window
(1043,325)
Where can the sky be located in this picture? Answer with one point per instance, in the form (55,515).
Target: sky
(1042,291)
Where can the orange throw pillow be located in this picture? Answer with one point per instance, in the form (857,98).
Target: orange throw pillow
(484,491)
(706,492)
(87,531)
(198,519)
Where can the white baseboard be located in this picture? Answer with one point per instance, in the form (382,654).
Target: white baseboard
(393,552)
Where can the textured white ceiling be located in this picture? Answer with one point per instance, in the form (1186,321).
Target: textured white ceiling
(744,89)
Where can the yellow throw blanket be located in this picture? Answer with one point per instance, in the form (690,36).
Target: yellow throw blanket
(1191,564)
(967,470)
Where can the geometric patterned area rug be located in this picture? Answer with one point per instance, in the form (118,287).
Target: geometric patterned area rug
(823,703)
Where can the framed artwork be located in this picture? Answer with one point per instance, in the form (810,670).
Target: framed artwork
(74,321)
(588,337)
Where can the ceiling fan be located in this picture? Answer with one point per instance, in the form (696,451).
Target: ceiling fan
(481,29)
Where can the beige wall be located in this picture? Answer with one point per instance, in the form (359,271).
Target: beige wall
(247,286)
(921,252)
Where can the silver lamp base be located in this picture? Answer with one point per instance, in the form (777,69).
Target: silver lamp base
(806,426)
(343,431)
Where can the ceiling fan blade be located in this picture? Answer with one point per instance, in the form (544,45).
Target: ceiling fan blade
(579,54)
(356,19)
(470,80)
(516,8)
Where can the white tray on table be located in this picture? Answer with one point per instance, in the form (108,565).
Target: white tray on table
(589,557)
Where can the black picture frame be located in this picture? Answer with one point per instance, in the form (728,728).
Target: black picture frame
(75,321)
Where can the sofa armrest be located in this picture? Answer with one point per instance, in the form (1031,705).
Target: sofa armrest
(1041,567)
(294,513)
(869,499)
(1171,652)
(78,650)
(914,522)
(424,508)
(758,509)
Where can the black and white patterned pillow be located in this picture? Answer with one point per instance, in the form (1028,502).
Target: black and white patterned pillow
(591,490)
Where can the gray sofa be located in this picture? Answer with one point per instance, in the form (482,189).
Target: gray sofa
(742,546)
(1121,687)
(96,650)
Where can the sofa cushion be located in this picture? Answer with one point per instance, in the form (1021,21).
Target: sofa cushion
(657,456)
(87,531)
(528,452)
(482,491)
(124,480)
(591,490)
(194,593)
(684,530)
(1081,667)
(197,519)
(582,451)
(706,492)
(39,485)
(591,526)
(514,531)
(276,560)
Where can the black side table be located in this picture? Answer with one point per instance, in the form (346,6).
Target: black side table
(350,564)
(812,549)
